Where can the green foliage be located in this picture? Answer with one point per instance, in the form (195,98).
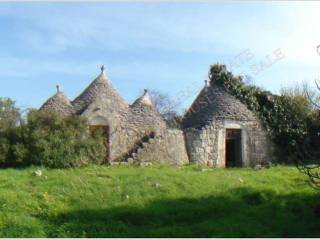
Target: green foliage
(157,201)
(4,148)
(10,118)
(50,140)
(285,117)
(9,114)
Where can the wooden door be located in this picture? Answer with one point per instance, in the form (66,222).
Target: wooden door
(104,131)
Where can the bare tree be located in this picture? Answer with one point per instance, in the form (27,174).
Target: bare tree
(168,107)
(313,97)
(308,159)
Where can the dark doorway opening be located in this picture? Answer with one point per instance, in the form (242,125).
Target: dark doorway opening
(233,148)
(104,131)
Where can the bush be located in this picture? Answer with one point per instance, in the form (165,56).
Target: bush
(285,117)
(10,115)
(4,148)
(52,141)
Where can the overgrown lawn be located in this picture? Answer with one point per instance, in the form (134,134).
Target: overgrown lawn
(158,201)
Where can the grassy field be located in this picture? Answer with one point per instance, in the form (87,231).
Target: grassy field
(158,201)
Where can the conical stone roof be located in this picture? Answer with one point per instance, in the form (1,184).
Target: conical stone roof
(100,87)
(144,114)
(58,103)
(144,100)
(215,103)
(144,106)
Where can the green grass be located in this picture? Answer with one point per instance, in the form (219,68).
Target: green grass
(158,201)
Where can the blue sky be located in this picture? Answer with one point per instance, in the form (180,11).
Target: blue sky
(164,46)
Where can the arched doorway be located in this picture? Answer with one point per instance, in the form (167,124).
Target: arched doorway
(100,125)
(104,131)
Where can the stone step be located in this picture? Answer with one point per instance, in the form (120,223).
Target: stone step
(132,155)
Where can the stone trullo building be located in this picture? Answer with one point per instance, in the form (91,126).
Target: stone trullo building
(218,130)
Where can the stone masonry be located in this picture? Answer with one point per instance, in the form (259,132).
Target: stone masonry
(138,134)
(102,105)
(205,124)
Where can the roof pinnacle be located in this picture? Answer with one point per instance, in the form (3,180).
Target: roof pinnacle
(102,69)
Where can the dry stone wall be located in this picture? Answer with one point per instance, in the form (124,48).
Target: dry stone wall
(99,113)
(127,125)
(205,124)
(168,148)
(206,146)
(202,145)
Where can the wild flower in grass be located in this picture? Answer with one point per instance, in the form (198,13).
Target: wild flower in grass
(45,195)
(157,185)
(37,173)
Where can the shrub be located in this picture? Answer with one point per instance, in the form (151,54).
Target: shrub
(4,148)
(10,118)
(62,142)
(10,115)
(285,117)
(50,140)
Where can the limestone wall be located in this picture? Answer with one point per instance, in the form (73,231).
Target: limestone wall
(206,146)
(168,148)
(127,125)
(202,145)
(100,113)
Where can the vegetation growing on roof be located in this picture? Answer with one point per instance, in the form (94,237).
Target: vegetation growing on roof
(288,119)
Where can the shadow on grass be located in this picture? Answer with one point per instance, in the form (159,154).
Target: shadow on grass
(241,213)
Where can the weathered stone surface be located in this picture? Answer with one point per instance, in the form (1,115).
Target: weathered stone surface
(59,103)
(168,148)
(101,87)
(214,103)
(205,124)
(202,140)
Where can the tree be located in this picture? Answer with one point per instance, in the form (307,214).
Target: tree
(308,160)
(280,115)
(10,115)
(167,107)
(48,139)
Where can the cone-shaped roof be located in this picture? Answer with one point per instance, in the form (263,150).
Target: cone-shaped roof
(144,113)
(101,86)
(59,103)
(214,102)
(144,100)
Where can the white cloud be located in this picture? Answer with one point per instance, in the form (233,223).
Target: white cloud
(73,39)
